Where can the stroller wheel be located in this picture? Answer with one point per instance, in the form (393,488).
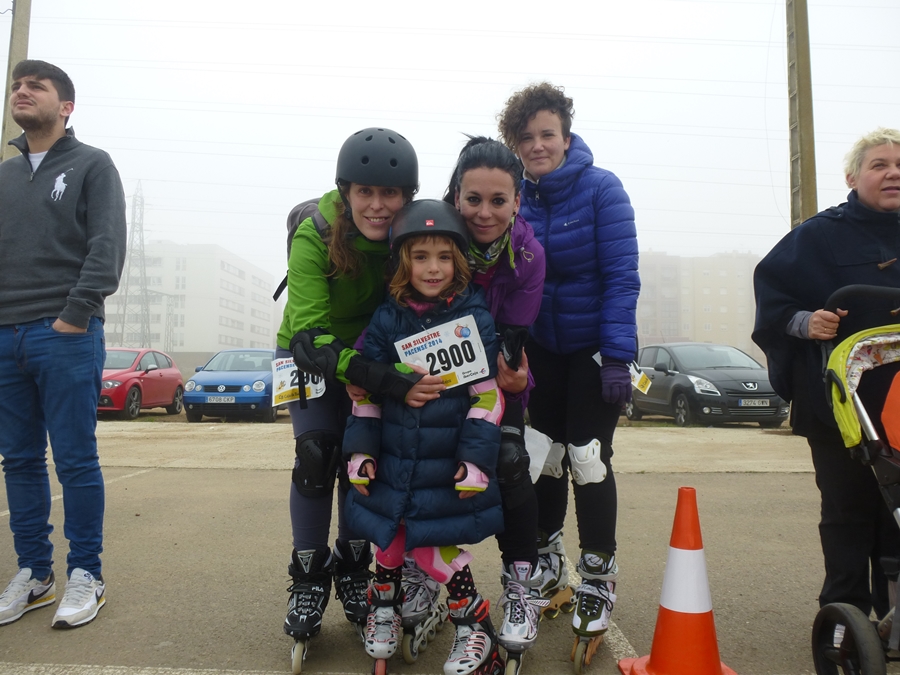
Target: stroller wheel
(845,642)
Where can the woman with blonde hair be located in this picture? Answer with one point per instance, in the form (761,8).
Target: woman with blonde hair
(857,242)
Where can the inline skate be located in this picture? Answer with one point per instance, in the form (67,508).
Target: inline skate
(310,588)
(422,614)
(351,580)
(554,575)
(475,648)
(383,622)
(594,599)
(521,602)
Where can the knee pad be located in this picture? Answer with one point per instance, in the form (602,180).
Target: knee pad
(553,463)
(512,462)
(318,453)
(513,477)
(586,461)
(441,562)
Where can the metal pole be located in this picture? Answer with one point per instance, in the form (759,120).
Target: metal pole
(18,51)
(803,148)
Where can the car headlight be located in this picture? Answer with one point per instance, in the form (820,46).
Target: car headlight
(259,386)
(111,384)
(702,386)
(189,385)
(198,387)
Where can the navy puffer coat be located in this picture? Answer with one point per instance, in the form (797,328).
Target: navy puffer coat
(583,218)
(418,450)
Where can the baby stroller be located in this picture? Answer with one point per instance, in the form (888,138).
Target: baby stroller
(844,640)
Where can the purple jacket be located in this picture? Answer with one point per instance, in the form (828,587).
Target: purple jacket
(514,295)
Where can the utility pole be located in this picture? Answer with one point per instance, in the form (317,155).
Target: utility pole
(135,327)
(803,147)
(18,51)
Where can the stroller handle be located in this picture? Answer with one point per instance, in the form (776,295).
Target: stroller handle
(837,298)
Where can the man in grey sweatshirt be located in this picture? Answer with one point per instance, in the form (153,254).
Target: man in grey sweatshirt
(62,247)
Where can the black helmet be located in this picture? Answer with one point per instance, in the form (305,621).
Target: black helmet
(429,216)
(378,157)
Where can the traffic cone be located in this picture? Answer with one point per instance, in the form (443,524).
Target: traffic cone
(684,642)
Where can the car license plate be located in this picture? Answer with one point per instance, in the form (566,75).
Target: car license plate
(753,402)
(220,399)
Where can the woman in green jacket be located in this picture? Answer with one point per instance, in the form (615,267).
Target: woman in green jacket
(336,280)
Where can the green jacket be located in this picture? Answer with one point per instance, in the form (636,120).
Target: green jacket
(339,305)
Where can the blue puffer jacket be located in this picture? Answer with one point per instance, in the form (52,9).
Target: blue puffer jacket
(418,450)
(583,218)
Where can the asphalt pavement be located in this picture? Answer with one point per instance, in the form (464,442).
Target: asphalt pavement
(198,537)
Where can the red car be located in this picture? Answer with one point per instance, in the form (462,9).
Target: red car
(140,378)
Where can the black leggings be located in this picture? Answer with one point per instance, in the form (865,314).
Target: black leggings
(566,406)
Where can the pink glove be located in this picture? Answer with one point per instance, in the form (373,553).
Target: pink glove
(356,468)
(473,480)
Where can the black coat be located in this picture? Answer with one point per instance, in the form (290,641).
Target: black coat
(843,245)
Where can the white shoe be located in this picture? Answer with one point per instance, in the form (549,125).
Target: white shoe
(85,595)
(521,602)
(24,594)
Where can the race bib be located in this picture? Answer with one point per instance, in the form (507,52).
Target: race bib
(453,351)
(639,379)
(286,382)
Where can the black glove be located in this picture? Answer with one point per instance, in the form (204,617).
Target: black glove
(513,343)
(322,360)
(387,379)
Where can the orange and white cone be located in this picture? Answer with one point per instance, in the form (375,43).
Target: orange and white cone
(684,642)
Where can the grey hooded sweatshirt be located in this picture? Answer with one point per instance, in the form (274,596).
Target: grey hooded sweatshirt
(62,233)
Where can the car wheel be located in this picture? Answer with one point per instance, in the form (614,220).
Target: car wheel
(177,402)
(632,412)
(682,411)
(193,415)
(132,406)
(771,424)
(269,414)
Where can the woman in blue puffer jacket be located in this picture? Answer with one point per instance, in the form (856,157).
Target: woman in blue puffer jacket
(580,346)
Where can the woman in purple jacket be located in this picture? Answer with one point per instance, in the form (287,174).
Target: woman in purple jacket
(581,343)
(507,261)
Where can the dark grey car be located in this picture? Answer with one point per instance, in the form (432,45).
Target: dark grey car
(697,382)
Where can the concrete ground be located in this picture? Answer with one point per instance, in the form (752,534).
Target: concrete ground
(198,537)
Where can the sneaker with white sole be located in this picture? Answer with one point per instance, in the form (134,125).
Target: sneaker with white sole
(24,594)
(85,595)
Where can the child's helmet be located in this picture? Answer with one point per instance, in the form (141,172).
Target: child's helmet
(378,157)
(430,217)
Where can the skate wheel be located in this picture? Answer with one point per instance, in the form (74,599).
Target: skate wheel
(579,655)
(298,656)
(513,663)
(379,667)
(431,634)
(567,607)
(550,613)
(409,649)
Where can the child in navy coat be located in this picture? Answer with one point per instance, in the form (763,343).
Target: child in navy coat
(424,476)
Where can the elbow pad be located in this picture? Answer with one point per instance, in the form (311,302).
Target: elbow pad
(386,379)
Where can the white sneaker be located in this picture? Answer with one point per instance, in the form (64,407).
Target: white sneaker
(25,594)
(85,595)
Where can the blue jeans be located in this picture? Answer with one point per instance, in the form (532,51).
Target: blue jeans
(50,384)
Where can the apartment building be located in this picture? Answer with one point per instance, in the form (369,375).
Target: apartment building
(202,298)
(708,299)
